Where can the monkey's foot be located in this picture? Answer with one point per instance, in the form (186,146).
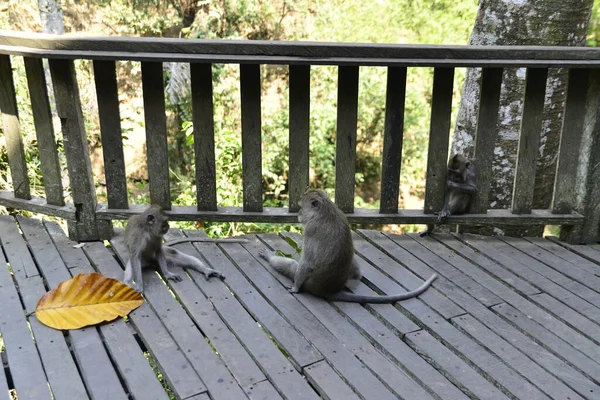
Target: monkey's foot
(442,216)
(208,274)
(173,277)
(137,287)
(266,254)
(293,289)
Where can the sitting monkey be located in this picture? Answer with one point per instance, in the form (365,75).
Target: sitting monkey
(327,260)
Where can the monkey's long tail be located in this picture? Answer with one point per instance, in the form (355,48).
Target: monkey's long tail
(357,298)
(203,240)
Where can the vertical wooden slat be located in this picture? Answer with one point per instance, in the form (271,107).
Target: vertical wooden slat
(299,132)
(345,150)
(110,127)
(156,133)
(204,136)
(251,130)
(439,135)
(44,130)
(393,134)
(485,136)
(529,140)
(563,197)
(12,131)
(587,186)
(68,107)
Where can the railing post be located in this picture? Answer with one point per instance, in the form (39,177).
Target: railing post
(587,184)
(68,105)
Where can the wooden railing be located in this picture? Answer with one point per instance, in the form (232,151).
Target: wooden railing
(89,220)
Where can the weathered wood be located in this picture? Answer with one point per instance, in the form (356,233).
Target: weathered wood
(570,253)
(279,370)
(300,351)
(127,356)
(364,216)
(363,381)
(105,77)
(44,131)
(485,136)
(250,88)
(325,380)
(156,134)
(204,136)
(299,133)
(563,196)
(393,133)
(529,140)
(4,385)
(537,375)
(26,369)
(37,205)
(68,107)
(12,130)
(262,391)
(345,142)
(439,133)
(548,339)
(456,369)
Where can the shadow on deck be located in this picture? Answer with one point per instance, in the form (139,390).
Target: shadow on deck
(507,318)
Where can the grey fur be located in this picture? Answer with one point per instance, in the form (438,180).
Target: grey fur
(460,189)
(143,237)
(203,240)
(327,260)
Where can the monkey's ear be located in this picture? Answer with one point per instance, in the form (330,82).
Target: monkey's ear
(315,203)
(150,219)
(467,164)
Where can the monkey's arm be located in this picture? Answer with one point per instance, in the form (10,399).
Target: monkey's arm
(467,187)
(203,240)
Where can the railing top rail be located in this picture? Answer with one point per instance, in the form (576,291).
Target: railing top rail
(291,52)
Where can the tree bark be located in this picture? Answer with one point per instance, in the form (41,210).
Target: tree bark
(51,16)
(521,22)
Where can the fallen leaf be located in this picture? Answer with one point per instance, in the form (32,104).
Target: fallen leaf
(87,299)
(78,246)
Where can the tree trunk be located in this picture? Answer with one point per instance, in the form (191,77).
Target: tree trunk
(521,22)
(52,17)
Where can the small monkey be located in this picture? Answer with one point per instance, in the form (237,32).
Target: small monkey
(143,237)
(460,189)
(327,260)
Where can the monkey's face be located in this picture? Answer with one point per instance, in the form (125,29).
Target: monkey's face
(158,223)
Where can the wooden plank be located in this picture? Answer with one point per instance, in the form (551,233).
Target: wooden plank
(556,366)
(326,380)
(24,361)
(262,391)
(530,370)
(583,252)
(529,140)
(250,88)
(364,216)
(439,132)
(298,348)
(502,253)
(299,133)
(557,345)
(210,367)
(454,251)
(485,136)
(59,365)
(393,134)
(156,134)
(44,131)
(105,78)
(279,370)
(68,107)
(170,359)
(569,253)
(379,336)
(204,136)
(365,383)
(4,385)
(37,205)
(15,249)
(456,370)
(345,142)
(12,130)
(128,358)
(563,196)
(565,273)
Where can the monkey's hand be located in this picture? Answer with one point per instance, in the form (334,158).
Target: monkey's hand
(293,289)
(173,277)
(213,272)
(442,216)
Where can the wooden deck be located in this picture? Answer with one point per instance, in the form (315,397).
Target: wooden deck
(508,318)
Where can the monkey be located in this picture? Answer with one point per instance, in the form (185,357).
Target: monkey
(327,261)
(143,237)
(460,189)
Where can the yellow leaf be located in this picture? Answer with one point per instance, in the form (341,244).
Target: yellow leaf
(87,299)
